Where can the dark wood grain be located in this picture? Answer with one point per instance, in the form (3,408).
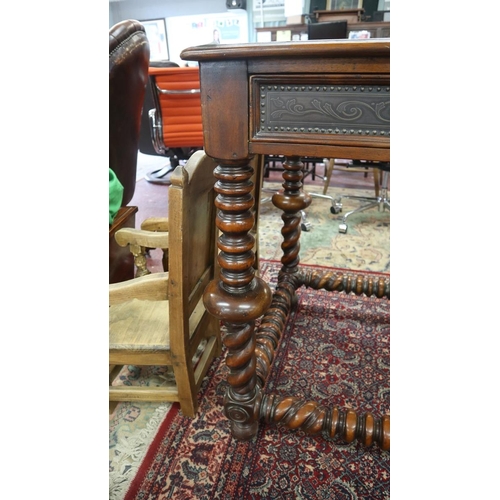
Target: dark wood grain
(327,99)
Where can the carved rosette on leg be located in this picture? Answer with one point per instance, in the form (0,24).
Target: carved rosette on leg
(239,297)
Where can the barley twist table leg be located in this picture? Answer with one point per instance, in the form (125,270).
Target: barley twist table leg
(239,297)
(291,200)
(273,323)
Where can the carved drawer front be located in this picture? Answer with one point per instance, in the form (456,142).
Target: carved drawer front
(330,108)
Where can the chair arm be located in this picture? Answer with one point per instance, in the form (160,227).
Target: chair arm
(150,239)
(155,224)
(158,224)
(151,287)
(139,241)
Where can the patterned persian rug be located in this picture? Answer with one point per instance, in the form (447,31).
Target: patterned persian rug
(366,246)
(335,350)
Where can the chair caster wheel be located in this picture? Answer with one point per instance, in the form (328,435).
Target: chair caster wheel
(336,209)
(342,228)
(305,226)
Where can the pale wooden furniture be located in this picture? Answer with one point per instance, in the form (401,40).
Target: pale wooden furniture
(153,234)
(349,15)
(159,318)
(327,99)
(154,224)
(121,262)
(347,166)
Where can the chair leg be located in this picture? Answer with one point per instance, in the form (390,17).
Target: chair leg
(112,406)
(376,180)
(328,174)
(184,378)
(385,182)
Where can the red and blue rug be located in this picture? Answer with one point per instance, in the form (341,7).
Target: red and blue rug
(335,351)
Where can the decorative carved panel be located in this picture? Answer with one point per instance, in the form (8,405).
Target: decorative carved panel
(349,110)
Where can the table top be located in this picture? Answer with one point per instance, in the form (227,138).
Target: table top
(294,49)
(325,98)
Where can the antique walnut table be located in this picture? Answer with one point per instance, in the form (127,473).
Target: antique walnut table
(327,99)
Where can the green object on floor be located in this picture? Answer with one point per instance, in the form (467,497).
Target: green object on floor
(115,195)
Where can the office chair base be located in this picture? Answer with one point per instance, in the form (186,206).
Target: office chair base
(162,175)
(382,203)
(305,225)
(337,206)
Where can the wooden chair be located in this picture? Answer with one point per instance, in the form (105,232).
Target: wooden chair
(159,318)
(153,235)
(350,166)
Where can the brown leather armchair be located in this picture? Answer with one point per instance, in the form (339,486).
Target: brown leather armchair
(128,76)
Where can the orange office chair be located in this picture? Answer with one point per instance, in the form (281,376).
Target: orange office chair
(175,120)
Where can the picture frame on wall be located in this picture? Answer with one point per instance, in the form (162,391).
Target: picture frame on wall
(156,31)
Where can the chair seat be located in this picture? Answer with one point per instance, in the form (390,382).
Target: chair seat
(139,325)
